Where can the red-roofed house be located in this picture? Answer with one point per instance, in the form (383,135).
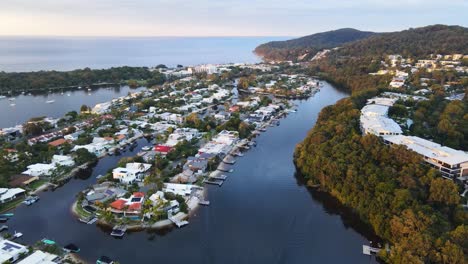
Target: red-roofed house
(119,204)
(138,195)
(134,207)
(120,137)
(58,142)
(234,108)
(163,150)
(131,205)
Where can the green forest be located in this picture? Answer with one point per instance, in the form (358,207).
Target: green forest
(16,82)
(291,49)
(405,202)
(353,43)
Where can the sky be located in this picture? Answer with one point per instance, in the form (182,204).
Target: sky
(221,17)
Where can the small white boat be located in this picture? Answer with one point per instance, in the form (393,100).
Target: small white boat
(12,104)
(50,101)
(146,148)
(17,235)
(12,99)
(68,94)
(2,97)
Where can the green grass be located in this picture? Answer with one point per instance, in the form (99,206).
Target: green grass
(11,204)
(36,184)
(81,212)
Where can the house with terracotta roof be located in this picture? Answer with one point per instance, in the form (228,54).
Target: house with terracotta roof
(132,205)
(58,142)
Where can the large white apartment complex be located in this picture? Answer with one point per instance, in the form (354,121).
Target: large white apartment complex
(374,120)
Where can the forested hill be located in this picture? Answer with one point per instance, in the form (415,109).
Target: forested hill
(410,43)
(291,49)
(437,39)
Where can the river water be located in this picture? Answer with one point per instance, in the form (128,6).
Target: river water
(24,107)
(261,214)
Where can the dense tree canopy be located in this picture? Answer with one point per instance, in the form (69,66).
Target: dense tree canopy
(390,188)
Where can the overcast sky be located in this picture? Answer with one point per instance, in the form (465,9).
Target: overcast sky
(221,17)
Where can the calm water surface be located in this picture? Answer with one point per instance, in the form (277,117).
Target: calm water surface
(27,106)
(262,214)
(18,54)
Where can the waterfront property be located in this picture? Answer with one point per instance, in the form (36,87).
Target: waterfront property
(450,162)
(11,251)
(131,173)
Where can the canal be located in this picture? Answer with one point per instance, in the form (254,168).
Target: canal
(261,214)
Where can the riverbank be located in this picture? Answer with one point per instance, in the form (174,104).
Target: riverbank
(260,206)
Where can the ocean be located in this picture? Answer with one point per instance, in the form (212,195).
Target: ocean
(21,54)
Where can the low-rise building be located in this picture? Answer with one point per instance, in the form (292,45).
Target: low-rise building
(40,257)
(131,173)
(450,162)
(179,189)
(11,251)
(7,195)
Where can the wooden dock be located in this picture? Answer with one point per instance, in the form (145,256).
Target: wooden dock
(178,223)
(214,182)
(229,160)
(218,177)
(204,202)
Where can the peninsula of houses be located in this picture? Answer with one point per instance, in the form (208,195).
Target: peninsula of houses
(189,132)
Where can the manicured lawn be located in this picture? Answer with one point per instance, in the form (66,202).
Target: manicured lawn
(34,185)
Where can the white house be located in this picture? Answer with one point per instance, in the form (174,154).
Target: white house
(131,173)
(40,257)
(102,108)
(7,195)
(63,160)
(40,169)
(11,251)
(178,189)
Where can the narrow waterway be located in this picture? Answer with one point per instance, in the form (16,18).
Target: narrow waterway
(262,214)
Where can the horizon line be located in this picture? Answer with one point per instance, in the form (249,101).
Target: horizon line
(155,36)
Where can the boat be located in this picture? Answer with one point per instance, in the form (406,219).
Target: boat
(12,104)
(17,235)
(2,97)
(11,99)
(79,87)
(146,148)
(7,215)
(71,248)
(48,241)
(118,231)
(30,200)
(3,228)
(50,101)
(104,260)
(99,176)
(3,219)
(68,94)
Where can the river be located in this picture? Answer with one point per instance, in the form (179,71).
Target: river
(26,106)
(262,214)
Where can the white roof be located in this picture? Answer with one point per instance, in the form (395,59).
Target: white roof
(6,194)
(374,119)
(382,101)
(10,249)
(430,149)
(39,257)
